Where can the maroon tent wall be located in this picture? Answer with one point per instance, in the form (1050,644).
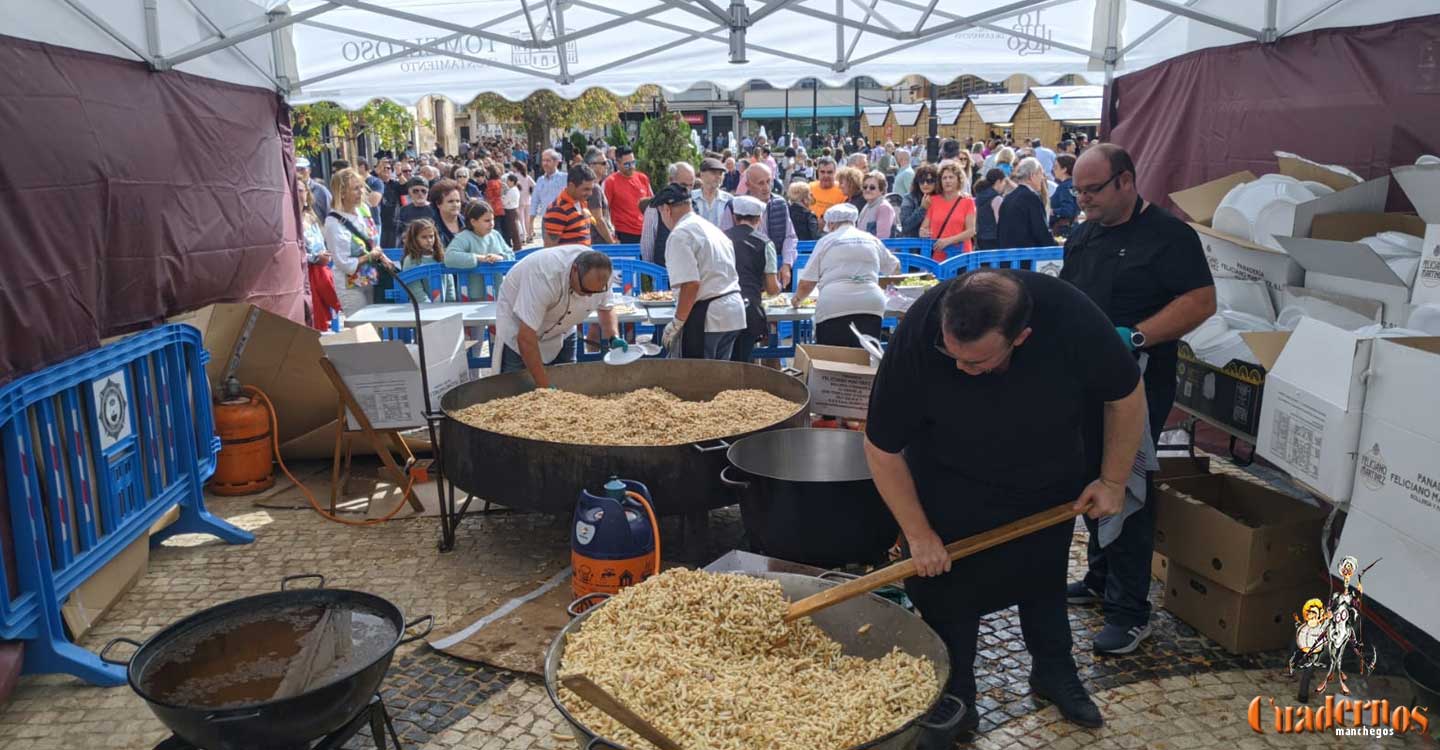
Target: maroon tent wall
(1367,97)
(127,196)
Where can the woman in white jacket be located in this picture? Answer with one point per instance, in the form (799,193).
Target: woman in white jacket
(844,272)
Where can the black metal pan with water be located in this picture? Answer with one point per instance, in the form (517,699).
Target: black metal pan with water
(274,671)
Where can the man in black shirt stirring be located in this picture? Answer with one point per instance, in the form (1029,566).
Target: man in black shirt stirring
(1147,271)
(975,421)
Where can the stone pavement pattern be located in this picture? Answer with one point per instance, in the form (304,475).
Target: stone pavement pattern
(1179,691)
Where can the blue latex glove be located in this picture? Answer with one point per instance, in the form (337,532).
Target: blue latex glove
(619,343)
(1125,335)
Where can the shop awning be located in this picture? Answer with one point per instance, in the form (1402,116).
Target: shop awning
(796,113)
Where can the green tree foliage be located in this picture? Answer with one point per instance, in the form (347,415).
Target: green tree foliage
(308,123)
(663,140)
(544,111)
(579,142)
(391,124)
(617,136)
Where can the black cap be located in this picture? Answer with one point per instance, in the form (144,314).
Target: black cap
(670,195)
(416,182)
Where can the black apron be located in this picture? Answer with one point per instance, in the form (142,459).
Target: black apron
(750,267)
(972,474)
(692,336)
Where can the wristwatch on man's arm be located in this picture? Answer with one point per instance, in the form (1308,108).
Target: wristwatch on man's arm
(1134,338)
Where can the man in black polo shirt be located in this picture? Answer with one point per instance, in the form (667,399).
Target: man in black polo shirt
(975,421)
(1147,271)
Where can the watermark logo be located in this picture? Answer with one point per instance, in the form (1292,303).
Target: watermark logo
(1342,716)
(1373,470)
(1430,268)
(1029,23)
(541,59)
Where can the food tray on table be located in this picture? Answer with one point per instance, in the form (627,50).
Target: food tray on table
(783,301)
(656,299)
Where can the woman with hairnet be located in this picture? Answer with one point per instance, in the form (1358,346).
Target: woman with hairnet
(844,273)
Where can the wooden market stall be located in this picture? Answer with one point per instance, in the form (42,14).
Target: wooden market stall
(874,123)
(906,121)
(1047,112)
(996,112)
(960,120)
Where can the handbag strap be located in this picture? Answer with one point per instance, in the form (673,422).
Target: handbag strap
(953,206)
(369,243)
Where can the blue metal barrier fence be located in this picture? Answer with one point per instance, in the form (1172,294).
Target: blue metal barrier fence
(96,450)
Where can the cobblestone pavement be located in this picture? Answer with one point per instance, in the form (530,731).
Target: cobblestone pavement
(1180,690)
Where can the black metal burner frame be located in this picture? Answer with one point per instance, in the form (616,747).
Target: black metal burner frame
(375,716)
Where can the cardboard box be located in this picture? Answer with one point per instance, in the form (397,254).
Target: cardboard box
(1403,575)
(1229,396)
(1159,566)
(1177,467)
(1242,623)
(1236,257)
(1339,310)
(1243,535)
(839,378)
(384,376)
(281,358)
(93,598)
(1422,187)
(1314,393)
(1334,260)
(1395,507)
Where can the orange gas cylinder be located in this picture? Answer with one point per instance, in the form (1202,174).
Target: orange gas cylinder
(244,465)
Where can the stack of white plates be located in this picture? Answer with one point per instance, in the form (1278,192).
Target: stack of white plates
(1400,251)
(1257,211)
(1217,341)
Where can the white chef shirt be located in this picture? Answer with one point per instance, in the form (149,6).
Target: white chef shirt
(698,251)
(537,292)
(847,265)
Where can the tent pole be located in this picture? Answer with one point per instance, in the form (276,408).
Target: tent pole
(1307,19)
(205,48)
(711,34)
(557,15)
(815,109)
(1202,17)
(932,143)
(110,31)
(856,127)
(152,27)
(785,128)
(279,59)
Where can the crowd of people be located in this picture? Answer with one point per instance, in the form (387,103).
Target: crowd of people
(485,204)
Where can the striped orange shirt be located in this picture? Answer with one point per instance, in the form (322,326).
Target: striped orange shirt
(568,221)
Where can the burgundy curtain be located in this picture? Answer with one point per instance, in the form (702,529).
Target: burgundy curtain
(127,196)
(1367,97)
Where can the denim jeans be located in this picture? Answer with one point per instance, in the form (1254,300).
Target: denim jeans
(720,345)
(510,360)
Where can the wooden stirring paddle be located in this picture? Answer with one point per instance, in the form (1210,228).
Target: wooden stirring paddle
(600,698)
(906,568)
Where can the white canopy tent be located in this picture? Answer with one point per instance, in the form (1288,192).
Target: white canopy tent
(350,51)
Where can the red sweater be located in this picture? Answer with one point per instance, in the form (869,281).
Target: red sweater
(624,194)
